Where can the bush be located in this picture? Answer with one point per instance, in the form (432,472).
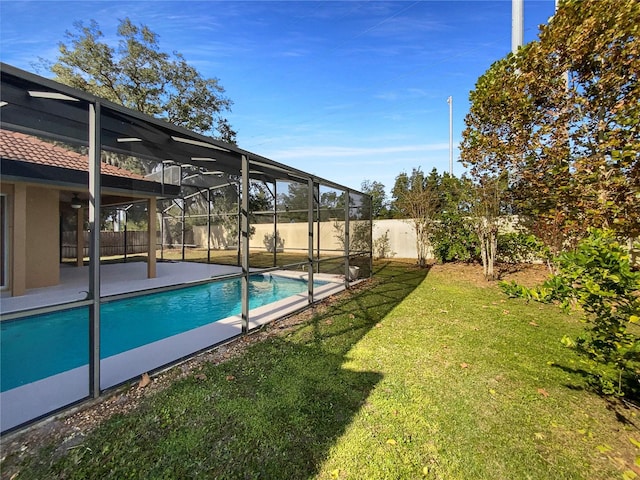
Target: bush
(382,246)
(455,241)
(598,278)
(518,247)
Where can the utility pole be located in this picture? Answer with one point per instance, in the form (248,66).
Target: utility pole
(565,75)
(517,25)
(450,102)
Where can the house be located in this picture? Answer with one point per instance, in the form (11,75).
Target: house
(41,183)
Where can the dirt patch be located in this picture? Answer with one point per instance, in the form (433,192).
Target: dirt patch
(528,275)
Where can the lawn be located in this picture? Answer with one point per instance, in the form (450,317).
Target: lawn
(420,373)
(330,262)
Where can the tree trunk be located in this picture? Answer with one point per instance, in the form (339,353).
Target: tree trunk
(483,251)
(487,234)
(421,244)
(166,233)
(491,256)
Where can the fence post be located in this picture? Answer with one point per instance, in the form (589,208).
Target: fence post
(125,239)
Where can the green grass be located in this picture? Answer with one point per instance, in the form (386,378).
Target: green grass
(423,375)
(331,262)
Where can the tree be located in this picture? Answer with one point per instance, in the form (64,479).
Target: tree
(561,118)
(455,239)
(598,43)
(295,202)
(332,205)
(375,189)
(507,133)
(416,198)
(487,201)
(138,75)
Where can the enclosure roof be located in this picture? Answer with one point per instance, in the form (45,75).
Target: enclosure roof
(39,106)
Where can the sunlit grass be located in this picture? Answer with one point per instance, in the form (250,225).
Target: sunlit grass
(475,386)
(417,377)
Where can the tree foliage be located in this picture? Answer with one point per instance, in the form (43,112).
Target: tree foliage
(379,208)
(295,203)
(451,194)
(441,207)
(599,279)
(519,247)
(455,240)
(561,119)
(138,75)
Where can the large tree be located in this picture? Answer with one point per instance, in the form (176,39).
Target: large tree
(597,42)
(561,119)
(512,129)
(138,75)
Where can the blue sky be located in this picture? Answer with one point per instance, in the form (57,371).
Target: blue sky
(347,90)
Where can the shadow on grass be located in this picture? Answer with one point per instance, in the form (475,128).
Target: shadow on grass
(364,309)
(629,382)
(296,397)
(580,372)
(621,406)
(273,412)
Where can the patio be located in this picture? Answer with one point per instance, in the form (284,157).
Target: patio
(115,279)
(123,278)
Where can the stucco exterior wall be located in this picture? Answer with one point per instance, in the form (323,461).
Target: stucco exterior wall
(294,235)
(42,263)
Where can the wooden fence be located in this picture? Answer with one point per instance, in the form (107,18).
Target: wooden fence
(111,243)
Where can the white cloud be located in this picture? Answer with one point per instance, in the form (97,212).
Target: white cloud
(329,151)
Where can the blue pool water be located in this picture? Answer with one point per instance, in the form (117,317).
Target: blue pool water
(38,347)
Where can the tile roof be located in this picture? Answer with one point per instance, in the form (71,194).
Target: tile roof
(26,148)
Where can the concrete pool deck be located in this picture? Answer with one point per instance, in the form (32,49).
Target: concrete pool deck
(121,278)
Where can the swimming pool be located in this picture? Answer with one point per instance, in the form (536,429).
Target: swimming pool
(38,347)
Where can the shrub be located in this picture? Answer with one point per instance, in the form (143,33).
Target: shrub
(382,246)
(598,277)
(455,241)
(519,247)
